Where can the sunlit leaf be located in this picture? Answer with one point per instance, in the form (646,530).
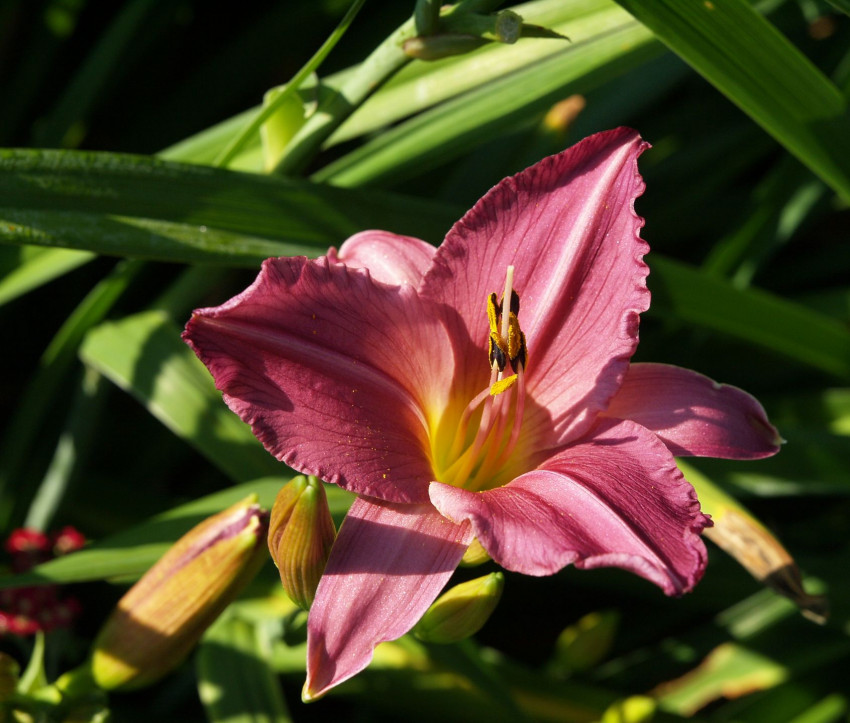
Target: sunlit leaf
(235,682)
(144,355)
(755,66)
(143,207)
(729,671)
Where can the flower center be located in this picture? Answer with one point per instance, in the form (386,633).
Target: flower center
(477,453)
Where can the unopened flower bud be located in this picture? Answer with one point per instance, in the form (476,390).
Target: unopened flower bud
(462,611)
(502,27)
(475,555)
(301,533)
(585,644)
(159,620)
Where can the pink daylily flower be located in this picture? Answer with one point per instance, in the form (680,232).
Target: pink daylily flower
(389,369)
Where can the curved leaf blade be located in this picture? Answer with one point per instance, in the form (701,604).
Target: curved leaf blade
(148,208)
(745,57)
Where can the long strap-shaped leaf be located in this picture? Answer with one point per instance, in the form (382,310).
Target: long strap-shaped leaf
(750,62)
(755,316)
(148,208)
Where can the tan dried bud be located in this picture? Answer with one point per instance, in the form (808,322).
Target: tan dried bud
(741,535)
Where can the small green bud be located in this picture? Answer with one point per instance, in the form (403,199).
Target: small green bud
(161,618)
(585,644)
(508,27)
(301,534)
(636,709)
(462,611)
(475,555)
(501,27)
(458,32)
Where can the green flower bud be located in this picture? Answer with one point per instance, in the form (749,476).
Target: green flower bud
(585,644)
(157,623)
(501,27)
(475,555)
(462,611)
(301,534)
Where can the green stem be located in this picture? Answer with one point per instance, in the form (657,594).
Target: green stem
(384,61)
(427,16)
(236,145)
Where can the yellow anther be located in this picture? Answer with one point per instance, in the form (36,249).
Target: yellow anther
(493,313)
(506,341)
(503,385)
(514,336)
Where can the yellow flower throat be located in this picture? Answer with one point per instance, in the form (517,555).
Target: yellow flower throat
(474,449)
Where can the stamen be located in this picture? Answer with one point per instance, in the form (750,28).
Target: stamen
(498,352)
(462,426)
(467,466)
(518,415)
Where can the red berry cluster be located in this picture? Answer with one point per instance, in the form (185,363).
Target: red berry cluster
(26,610)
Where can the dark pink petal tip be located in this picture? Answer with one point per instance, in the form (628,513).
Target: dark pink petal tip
(693,415)
(615,498)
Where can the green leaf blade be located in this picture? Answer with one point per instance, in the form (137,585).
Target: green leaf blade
(148,208)
(758,69)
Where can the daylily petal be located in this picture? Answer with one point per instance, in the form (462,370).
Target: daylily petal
(614,498)
(332,371)
(693,415)
(387,566)
(569,227)
(390,258)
